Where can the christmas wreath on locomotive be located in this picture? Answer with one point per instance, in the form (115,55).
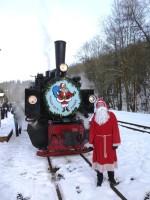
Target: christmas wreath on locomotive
(51,107)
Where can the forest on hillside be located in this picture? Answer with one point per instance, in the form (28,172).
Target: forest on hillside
(118,62)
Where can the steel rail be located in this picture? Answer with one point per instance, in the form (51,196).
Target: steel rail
(53,171)
(138,125)
(135,129)
(117,192)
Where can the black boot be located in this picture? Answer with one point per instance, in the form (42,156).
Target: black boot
(99,178)
(111,178)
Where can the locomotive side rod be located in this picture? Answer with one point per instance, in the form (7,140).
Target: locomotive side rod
(118,193)
(53,171)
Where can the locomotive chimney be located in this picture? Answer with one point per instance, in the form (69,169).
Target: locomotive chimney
(60,48)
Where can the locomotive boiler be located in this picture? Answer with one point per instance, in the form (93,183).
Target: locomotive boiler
(53,106)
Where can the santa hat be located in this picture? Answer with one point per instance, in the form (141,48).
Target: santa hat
(101,102)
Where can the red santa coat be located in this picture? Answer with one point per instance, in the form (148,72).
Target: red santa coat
(64,98)
(104,137)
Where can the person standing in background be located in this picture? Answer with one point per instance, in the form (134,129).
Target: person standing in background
(105,137)
(18,113)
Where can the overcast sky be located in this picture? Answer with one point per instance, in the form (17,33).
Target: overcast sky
(28,29)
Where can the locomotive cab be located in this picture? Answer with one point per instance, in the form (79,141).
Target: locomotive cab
(51,107)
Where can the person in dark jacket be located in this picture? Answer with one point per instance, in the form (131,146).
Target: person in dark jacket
(105,138)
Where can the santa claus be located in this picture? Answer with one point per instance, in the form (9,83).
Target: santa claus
(105,137)
(64,96)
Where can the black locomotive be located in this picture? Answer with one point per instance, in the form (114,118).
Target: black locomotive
(52,107)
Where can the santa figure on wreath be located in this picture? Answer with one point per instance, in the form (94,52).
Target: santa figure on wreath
(64,96)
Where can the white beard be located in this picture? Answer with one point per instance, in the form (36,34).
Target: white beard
(101,116)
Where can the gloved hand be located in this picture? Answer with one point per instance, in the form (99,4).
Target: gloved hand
(88,145)
(114,147)
(90,148)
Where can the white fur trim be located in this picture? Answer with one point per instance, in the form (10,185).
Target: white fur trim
(104,167)
(115,145)
(87,145)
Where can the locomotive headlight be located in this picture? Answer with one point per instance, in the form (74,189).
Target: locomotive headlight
(32,99)
(92,98)
(63,67)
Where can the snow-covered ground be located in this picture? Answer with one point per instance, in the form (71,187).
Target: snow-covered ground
(21,171)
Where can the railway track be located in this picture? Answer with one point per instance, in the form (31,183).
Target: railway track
(55,180)
(55,177)
(135,127)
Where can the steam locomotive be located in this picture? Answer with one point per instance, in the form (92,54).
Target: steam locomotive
(53,104)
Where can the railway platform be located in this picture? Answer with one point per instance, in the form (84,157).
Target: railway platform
(6,128)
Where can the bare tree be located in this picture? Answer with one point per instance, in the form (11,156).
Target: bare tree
(123,31)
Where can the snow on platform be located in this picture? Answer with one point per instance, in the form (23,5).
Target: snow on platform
(6,128)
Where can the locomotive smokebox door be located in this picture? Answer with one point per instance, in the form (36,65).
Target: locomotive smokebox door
(62,98)
(32,103)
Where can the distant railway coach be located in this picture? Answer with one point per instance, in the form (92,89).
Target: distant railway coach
(52,107)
